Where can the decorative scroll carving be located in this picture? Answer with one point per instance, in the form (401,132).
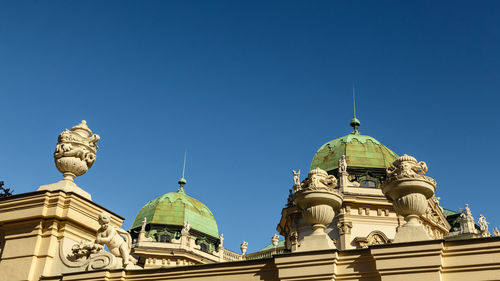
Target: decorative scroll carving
(407,167)
(318,179)
(344,227)
(433,216)
(374,238)
(87,255)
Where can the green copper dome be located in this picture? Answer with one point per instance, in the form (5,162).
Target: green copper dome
(360,150)
(176,207)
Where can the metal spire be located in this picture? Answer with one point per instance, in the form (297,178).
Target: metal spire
(182,181)
(354,101)
(354,122)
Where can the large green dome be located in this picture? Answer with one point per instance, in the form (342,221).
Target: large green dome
(361,151)
(176,207)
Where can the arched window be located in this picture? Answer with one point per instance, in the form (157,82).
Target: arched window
(367,183)
(165,238)
(204,247)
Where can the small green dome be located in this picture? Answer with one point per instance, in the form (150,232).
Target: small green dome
(360,150)
(176,207)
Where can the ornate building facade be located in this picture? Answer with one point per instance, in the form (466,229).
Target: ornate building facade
(361,213)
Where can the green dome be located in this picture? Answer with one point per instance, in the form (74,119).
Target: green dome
(360,150)
(176,207)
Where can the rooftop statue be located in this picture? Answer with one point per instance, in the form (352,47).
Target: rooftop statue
(244,247)
(275,240)
(113,238)
(342,164)
(296,179)
(186,228)
(221,239)
(483,225)
(496,232)
(467,224)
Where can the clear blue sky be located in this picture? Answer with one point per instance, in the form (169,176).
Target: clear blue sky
(252,89)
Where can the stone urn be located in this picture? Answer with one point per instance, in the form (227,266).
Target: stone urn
(318,200)
(408,189)
(75,153)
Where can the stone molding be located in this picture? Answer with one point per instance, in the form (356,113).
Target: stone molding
(433,260)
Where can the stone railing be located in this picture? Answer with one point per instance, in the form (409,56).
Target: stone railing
(230,255)
(265,254)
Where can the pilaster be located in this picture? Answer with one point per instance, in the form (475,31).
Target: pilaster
(412,261)
(317,265)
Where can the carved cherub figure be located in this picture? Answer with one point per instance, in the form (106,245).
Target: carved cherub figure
(112,237)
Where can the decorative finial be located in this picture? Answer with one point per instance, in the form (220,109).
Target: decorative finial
(354,122)
(75,153)
(182,181)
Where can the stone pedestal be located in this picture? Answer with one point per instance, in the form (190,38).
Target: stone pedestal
(35,225)
(410,261)
(315,242)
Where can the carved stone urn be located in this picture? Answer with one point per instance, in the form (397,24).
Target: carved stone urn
(408,189)
(318,201)
(75,153)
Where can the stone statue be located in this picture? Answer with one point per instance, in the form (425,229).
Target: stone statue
(467,224)
(289,201)
(496,232)
(143,226)
(113,238)
(342,165)
(221,239)
(275,240)
(483,224)
(186,228)
(296,178)
(244,247)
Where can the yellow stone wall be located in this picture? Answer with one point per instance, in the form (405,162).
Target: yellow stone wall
(433,260)
(32,226)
